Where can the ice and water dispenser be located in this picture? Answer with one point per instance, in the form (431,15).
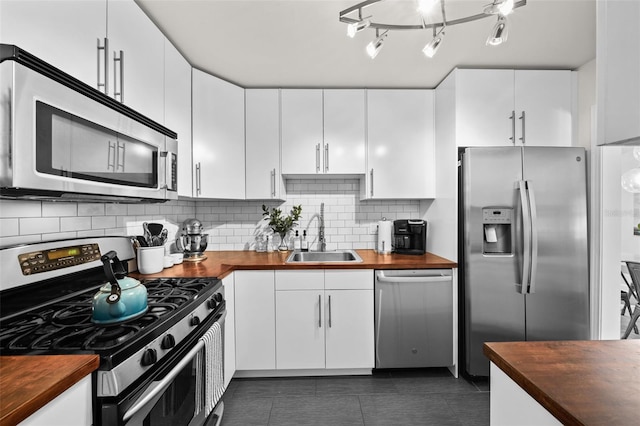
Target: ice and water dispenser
(496,224)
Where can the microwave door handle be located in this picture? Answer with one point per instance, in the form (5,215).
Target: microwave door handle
(158,387)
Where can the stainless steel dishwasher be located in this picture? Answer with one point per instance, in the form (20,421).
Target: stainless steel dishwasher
(414,318)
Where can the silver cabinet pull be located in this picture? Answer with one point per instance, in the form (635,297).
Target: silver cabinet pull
(198,175)
(111,164)
(329,311)
(105,49)
(371,182)
(522,117)
(273,183)
(317,158)
(512,117)
(326,158)
(319,311)
(115,72)
(120,159)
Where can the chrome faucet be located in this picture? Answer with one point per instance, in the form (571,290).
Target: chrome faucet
(322,242)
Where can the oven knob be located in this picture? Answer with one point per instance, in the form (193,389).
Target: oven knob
(168,341)
(149,357)
(195,321)
(212,303)
(218,297)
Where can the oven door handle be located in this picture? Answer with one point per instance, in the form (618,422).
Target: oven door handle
(158,387)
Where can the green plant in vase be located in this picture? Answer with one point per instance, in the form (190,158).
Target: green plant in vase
(282,224)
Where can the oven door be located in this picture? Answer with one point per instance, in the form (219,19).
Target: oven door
(63,144)
(176,396)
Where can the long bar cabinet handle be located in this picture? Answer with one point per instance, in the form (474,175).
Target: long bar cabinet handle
(522,137)
(120,60)
(512,117)
(105,60)
(319,311)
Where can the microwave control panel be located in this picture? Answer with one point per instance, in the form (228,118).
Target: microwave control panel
(49,260)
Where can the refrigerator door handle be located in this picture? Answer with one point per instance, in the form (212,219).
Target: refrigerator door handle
(534,238)
(526,227)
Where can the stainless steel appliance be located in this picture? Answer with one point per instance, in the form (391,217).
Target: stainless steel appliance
(523,249)
(410,236)
(151,366)
(413,318)
(192,241)
(64,140)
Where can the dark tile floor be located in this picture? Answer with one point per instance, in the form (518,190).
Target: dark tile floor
(388,397)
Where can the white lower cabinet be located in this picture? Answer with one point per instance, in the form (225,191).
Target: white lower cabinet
(229,329)
(324,319)
(72,407)
(255,320)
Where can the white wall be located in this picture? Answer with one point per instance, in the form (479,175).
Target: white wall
(231,224)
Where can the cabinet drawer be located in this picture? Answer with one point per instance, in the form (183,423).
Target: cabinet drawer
(300,280)
(348,279)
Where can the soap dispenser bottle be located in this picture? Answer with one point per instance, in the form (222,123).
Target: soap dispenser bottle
(296,242)
(304,244)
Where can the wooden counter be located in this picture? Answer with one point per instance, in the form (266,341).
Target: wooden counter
(221,263)
(27,383)
(578,382)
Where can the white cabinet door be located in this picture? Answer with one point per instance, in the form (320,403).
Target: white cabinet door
(177,111)
(137,79)
(349,328)
(218,137)
(344,132)
(262,139)
(484,107)
(229,329)
(300,329)
(543,105)
(63,33)
(400,144)
(255,320)
(301,131)
(72,407)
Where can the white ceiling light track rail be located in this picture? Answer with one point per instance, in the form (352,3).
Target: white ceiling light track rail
(353,17)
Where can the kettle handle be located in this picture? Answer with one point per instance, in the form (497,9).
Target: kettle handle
(108,260)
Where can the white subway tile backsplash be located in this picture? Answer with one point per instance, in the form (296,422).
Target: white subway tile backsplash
(59,209)
(9,227)
(91,209)
(41,225)
(75,223)
(103,222)
(18,208)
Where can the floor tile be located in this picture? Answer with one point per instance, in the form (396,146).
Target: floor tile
(321,411)
(347,385)
(275,387)
(470,409)
(246,411)
(412,385)
(407,410)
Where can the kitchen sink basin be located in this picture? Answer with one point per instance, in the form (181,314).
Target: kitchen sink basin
(337,256)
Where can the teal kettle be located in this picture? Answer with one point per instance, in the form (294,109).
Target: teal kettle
(121,298)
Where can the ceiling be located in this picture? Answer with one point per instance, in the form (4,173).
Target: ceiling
(301,43)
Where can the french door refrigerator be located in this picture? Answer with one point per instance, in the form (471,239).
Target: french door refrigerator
(523,248)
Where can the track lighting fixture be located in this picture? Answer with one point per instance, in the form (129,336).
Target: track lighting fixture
(432,47)
(501,8)
(374,47)
(499,33)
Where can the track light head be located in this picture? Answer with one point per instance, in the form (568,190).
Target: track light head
(356,27)
(432,47)
(374,47)
(499,33)
(425,6)
(499,7)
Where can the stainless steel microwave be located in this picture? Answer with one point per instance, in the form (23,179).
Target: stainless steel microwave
(61,139)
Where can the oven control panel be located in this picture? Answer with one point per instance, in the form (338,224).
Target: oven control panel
(58,258)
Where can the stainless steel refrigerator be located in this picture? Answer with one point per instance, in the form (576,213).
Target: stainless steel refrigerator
(523,248)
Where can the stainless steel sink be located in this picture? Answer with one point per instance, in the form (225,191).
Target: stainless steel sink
(337,256)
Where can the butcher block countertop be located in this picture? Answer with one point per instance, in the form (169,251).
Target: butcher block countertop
(28,383)
(221,263)
(579,382)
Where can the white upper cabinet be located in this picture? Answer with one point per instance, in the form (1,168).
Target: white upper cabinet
(323,131)
(618,70)
(64,33)
(71,35)
(262,141)
(513,107)
(400,147)
(177,111)
(218,137)
(136,52)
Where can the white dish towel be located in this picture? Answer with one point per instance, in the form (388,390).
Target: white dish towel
(213,368)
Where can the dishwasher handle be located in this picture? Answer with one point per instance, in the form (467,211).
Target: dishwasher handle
(380,276)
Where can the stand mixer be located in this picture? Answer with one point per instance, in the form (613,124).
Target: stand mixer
(191,241)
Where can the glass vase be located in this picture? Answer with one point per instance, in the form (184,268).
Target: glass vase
(283,242)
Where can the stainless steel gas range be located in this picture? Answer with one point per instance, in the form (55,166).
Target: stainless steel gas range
(164,366)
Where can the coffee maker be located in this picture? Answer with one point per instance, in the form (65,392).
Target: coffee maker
(410,236)
(191,241)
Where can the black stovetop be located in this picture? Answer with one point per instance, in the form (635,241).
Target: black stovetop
(64,325)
